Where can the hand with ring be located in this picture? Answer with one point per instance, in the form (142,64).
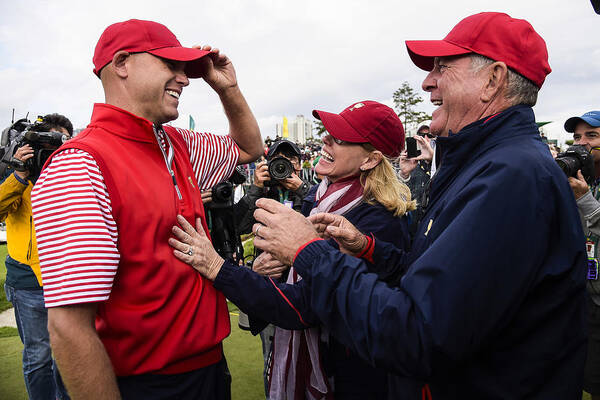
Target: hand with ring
(195,249)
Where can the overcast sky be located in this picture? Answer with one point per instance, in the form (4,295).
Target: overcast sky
(290,57)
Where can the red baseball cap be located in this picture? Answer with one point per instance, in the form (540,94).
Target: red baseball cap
(366,122)
(493,35)
(137,36)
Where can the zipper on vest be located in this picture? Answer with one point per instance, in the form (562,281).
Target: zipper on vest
(30,246)
(167,157)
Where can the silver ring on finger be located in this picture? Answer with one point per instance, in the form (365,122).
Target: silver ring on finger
(190,251)
(257,229)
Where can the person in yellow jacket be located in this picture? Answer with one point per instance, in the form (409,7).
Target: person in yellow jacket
(23,284)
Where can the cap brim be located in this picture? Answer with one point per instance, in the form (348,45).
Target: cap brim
(338,127)
(422,52)
(572,122)
(193,68)
(277,146)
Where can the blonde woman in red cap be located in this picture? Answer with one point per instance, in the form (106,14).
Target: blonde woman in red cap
(358,182)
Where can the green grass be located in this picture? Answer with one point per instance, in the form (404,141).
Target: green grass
(4,304)
(8,331)
(245,360)
(12,386)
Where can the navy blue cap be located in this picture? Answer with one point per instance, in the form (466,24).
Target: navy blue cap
(592,118)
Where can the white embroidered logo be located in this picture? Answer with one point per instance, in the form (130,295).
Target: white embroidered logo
(357,105)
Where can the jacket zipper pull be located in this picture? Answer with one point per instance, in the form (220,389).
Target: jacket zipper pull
(30,246)
(168,158)
(176,187)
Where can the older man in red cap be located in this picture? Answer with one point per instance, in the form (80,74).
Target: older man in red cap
(126,318)
(492,301)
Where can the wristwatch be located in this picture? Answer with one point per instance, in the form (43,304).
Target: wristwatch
(302,189)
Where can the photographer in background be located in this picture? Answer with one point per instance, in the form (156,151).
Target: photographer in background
(290,191)
(416,172)
(586,132)
(23,279)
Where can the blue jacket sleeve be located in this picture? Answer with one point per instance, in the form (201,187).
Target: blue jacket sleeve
(265,300)
(464,286)
(392,240)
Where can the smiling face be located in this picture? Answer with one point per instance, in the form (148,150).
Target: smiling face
(455,88)
(340,161)
(588,136)
(154,86)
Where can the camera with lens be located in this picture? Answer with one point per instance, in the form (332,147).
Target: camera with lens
(577,158)
(222,193)
(21,133)
(281,167)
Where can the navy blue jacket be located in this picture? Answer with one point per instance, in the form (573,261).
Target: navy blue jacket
(491,305)
(287,306)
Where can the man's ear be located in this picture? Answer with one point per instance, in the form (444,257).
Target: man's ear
(119,63)
(497,79)
(373,160)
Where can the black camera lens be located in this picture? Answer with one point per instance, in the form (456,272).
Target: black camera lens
(569,165)
(577,158)
(280,168)
(222,192)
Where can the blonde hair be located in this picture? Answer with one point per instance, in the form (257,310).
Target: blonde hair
(381,185)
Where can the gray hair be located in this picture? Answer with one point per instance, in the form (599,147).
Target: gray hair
(520,90)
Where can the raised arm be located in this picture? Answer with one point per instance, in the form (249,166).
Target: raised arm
(243,128)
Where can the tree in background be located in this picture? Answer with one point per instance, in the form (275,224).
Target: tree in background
(318,127)
(405,101)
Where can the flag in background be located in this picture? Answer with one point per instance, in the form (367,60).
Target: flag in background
(192,123)
(284,132)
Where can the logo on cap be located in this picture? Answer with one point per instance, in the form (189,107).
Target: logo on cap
(357,105)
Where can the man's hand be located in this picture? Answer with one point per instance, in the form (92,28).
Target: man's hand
(207,196)
(23,154)
(217,70)
(280,230)
(261,174)
(267,265)
(292,183)
(578,185)
(195,249)
(350,239)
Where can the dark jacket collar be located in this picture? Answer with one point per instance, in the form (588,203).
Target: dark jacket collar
(122,123)
(515,121)
(461,149)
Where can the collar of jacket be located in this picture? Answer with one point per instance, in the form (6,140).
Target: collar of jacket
(459,149)
(122,123)
(515,121)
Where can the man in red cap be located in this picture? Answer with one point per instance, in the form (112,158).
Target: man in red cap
(491,304)
(126,318)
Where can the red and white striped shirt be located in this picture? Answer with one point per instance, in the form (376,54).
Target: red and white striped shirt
(76,232)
